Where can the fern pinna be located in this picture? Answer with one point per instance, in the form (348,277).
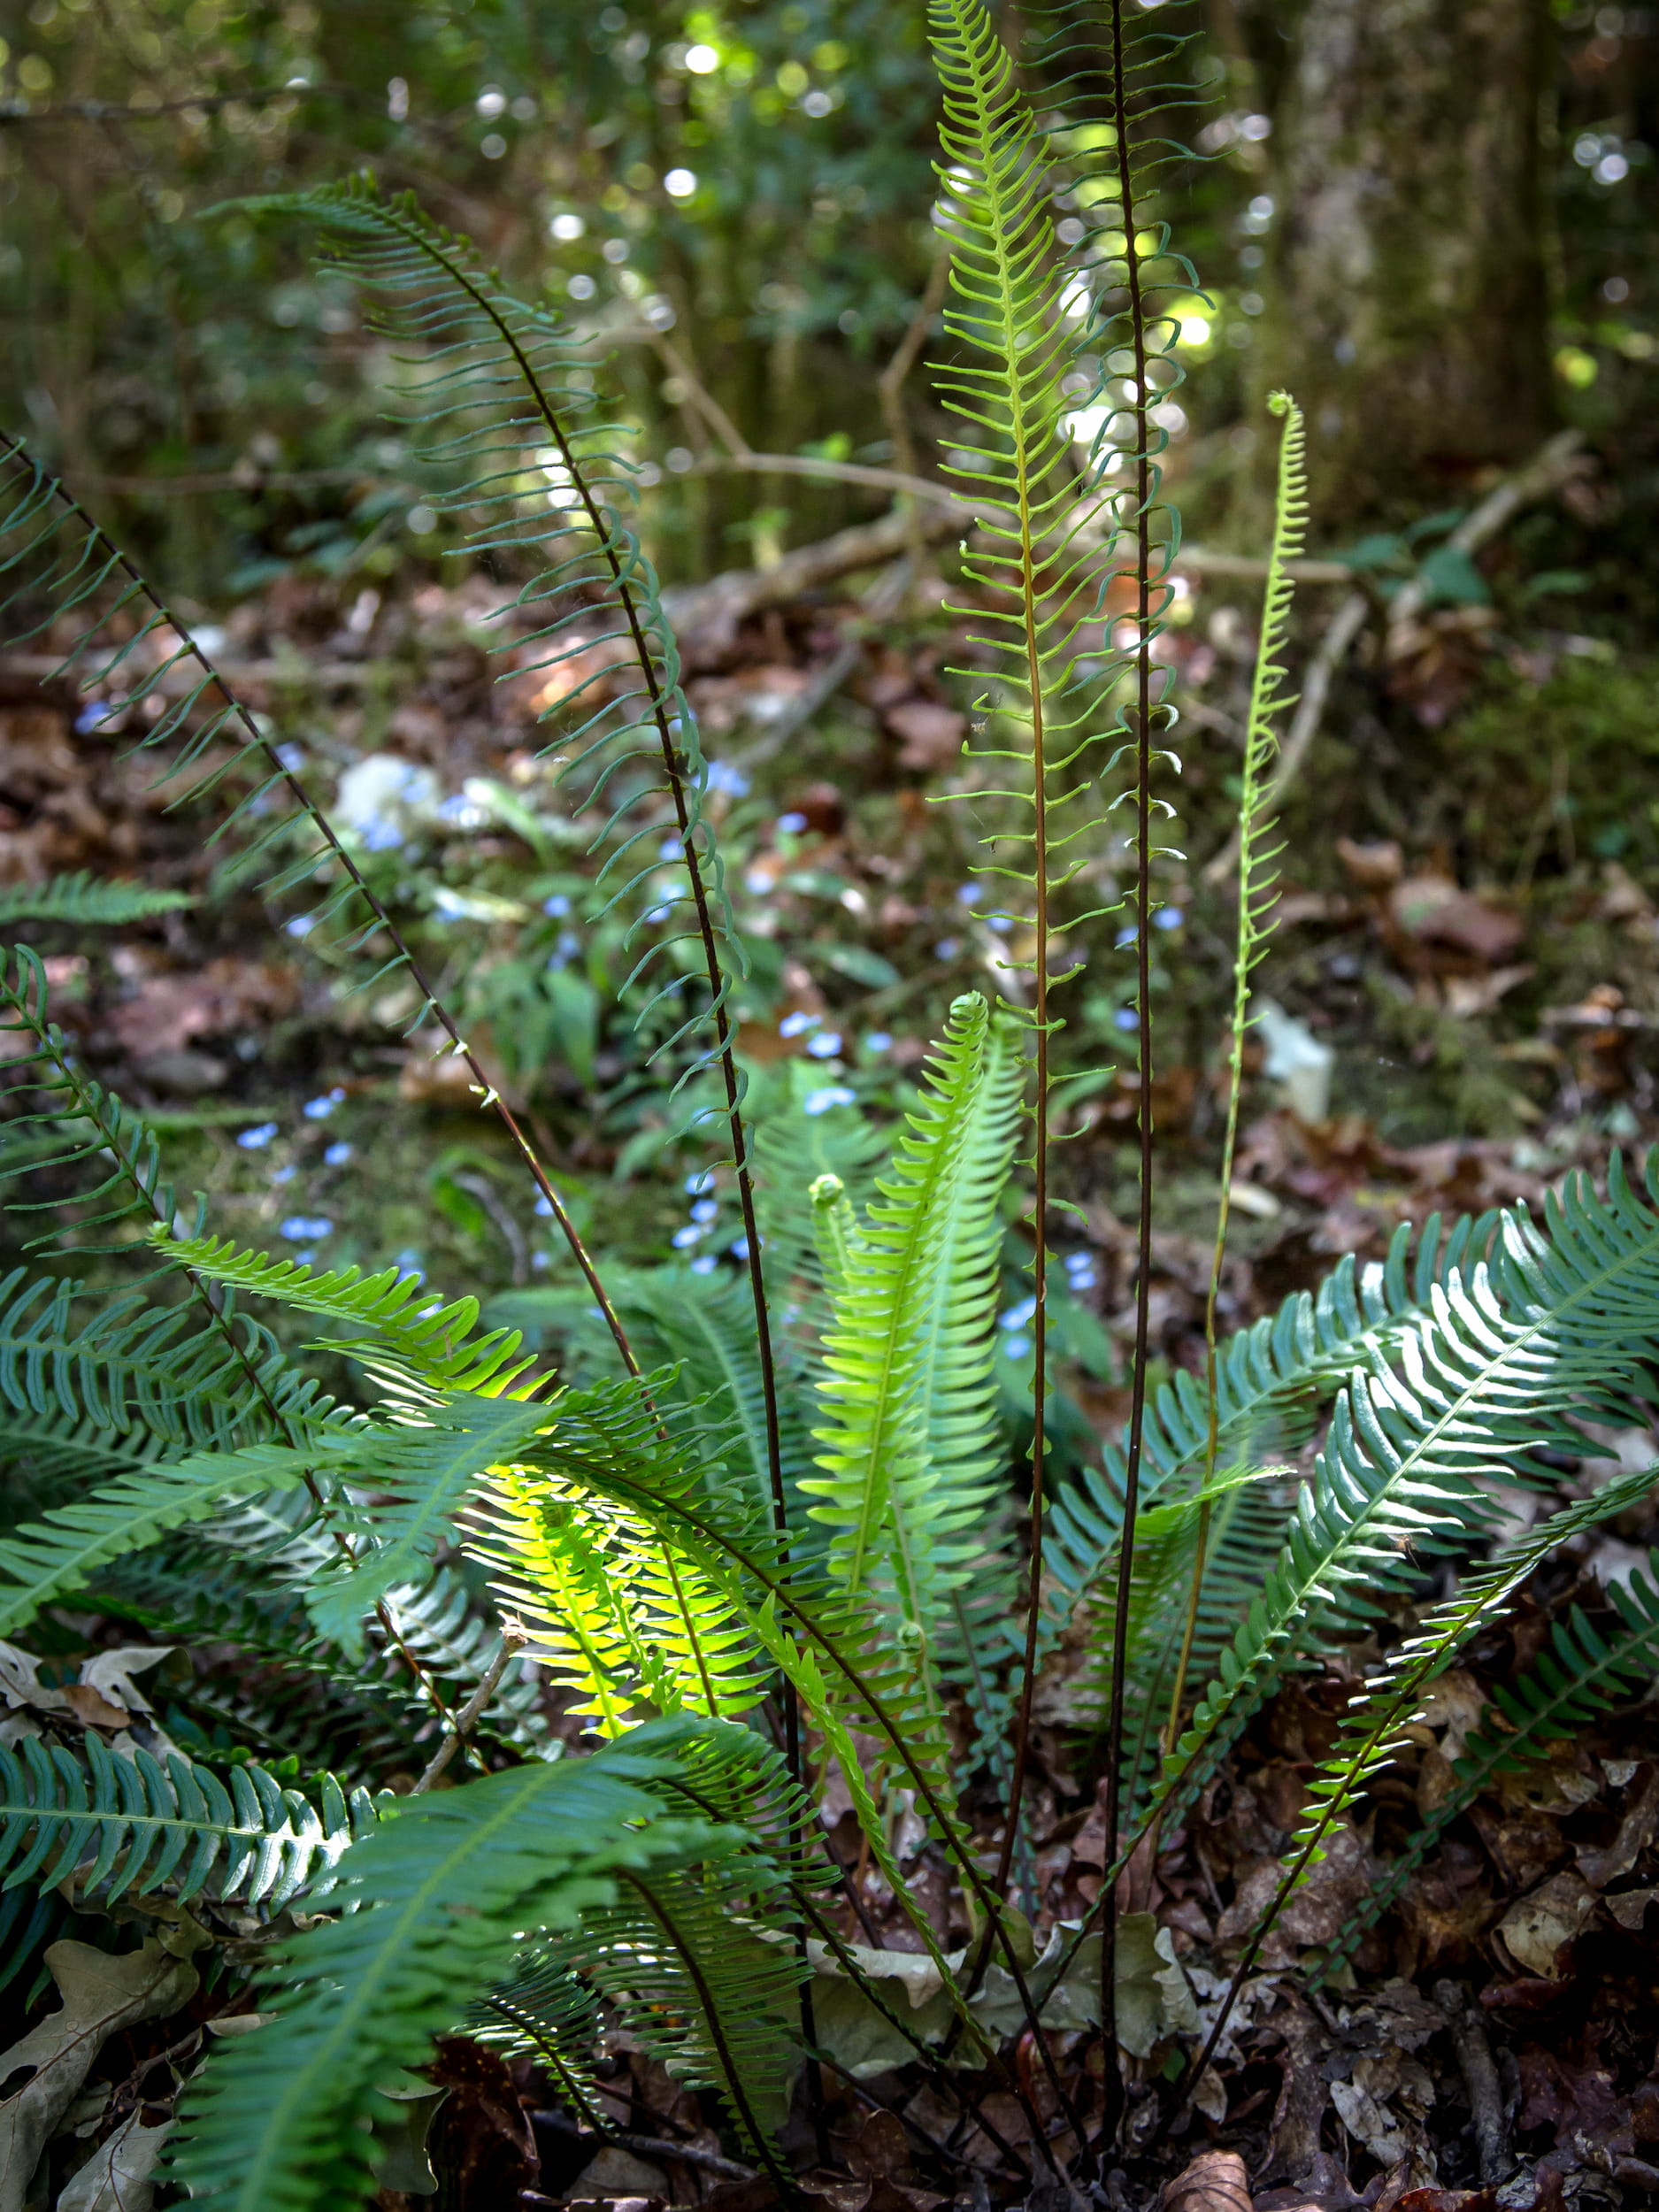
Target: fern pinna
(753,1536)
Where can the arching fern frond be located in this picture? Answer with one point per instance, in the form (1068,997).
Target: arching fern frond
(391,1311)
(1504,1361)
(45,1559)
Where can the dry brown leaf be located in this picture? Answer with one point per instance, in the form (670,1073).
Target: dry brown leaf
(1537,1925)
(1215,2181)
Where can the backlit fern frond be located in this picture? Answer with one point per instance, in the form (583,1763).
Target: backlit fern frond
(618,1612)
(134,1826)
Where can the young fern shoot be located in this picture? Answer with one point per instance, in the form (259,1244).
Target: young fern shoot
(1259,849)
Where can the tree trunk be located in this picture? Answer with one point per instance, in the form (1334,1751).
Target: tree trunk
(1405,281)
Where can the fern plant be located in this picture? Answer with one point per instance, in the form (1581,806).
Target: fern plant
(761,1536)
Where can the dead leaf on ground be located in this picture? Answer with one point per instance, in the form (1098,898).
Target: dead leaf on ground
(1432,911)
(1215,2181)
(931,734)
(1536,1927)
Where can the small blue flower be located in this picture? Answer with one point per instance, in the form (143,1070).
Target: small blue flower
(380,836)
(969,894)
(658,914)
(757,882)
(948,947)
(826,1046)
(670,849)
(1168,917)
(556,905)
(319,1109)
(539,1260)
(832,1094)
(793,823)
(705,1210)
(283,1174)
(337,1155)
(544,1206)
(704,1264)
(701,1184)
(1017,1317)
(95,711)
(723,777)
(299,1228)
(1127,935)
(1017,1347)
(256,1139)
(878,1041)
(302,925)
(797,1024)
(739,1247)
(291,756)
(687,1236)
(1126,1019)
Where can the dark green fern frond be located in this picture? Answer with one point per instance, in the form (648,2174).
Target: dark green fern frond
(86,899)
(1507,1360)
(144,1373)
(433,1906)
(45,1559)
(133,1826)
(1371,1734)
(1583,1671)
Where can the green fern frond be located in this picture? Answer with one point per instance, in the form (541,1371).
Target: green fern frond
(392,1310)
(685,1962)
(1505,1361)
(86,899)
(140,1371)
(43,1559)
(1583,1671)
(616,1609)
(135,1826)
(910,1446)
(432,1908)
(1371,1735)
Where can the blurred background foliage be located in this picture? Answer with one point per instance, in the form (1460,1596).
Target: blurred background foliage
(737,202)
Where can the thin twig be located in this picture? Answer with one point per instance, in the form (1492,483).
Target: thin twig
(512,1639)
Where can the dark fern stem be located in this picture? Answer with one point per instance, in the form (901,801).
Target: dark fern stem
(688,820)
(1142,739)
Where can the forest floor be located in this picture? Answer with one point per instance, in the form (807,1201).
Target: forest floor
(1468,963)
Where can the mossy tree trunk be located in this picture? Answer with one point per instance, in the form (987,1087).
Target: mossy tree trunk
(1405,287)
